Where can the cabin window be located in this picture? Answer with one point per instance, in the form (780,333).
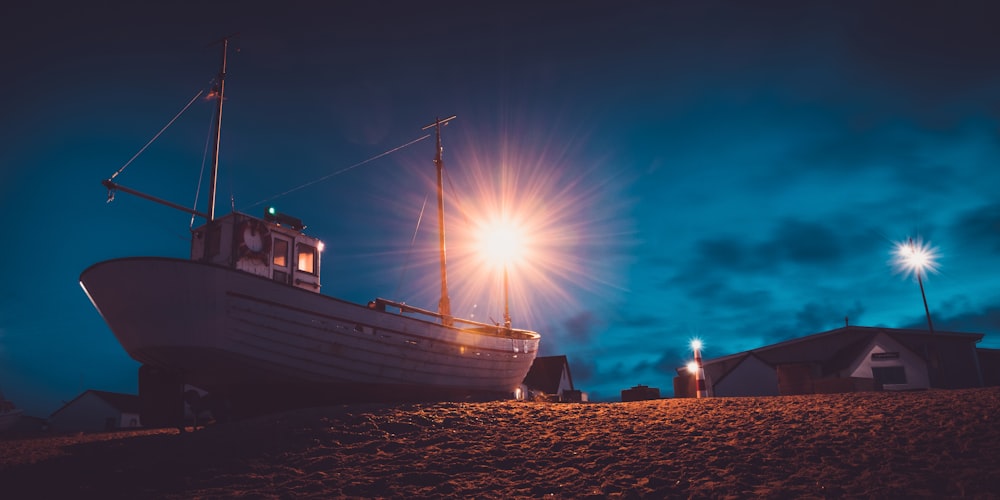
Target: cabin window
(306,258)
(280,258)
(889,375)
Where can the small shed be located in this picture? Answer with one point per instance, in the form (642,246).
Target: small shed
(95,411)
(549,379)
(640,393)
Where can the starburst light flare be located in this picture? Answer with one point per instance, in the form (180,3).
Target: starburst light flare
(536,227)
(696,344)
(915,258)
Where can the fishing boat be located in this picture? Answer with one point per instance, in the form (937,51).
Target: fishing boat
(244,319)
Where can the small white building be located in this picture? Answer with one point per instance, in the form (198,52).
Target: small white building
(95,411)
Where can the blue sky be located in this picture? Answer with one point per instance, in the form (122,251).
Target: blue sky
(714,169)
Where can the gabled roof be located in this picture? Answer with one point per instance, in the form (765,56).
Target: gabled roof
(546,373)
(125,403)
(820,347)
(833,349)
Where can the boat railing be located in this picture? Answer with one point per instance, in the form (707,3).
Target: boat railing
(492,329)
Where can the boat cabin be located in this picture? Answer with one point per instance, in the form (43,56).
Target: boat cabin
(274,247)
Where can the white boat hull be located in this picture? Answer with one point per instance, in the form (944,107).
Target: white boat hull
(223,329)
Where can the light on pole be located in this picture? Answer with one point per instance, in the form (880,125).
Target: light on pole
(501,244)
(917,258)
(701,390)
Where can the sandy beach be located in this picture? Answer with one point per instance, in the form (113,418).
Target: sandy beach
(879,444)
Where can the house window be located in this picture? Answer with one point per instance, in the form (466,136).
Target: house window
(280,252)
(889,375)
(306,258)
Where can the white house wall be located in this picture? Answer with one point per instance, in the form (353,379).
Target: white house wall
(564,384)
(752,377)
(129,420)
(913,365)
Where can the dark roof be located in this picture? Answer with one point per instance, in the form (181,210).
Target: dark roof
(125,403)
(546,372)
(833,350)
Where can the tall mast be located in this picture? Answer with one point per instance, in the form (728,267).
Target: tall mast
(444,305)
(220,91)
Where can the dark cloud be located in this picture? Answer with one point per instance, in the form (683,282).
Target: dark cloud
(793,243)
(979,228)
(815,317)
(724,296)
(985,320)
(580,327)
(803,243)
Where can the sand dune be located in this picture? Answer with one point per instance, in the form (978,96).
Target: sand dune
(930,444)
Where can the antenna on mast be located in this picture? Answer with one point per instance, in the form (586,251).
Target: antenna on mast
(444,305)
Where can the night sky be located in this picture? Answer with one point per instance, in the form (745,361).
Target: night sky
(709,169)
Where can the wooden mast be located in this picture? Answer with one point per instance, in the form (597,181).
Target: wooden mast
(220,91)
(208,215)
(444,305)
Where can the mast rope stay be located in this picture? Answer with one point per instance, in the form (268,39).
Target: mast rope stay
(338,172)
(201,174)
(409,252)
(165,127)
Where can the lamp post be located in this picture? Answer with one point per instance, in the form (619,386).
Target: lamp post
(701,391)
(501,243)
(918,259)
(506,297)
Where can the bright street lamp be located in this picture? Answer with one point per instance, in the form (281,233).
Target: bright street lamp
(501,244)
(917,258)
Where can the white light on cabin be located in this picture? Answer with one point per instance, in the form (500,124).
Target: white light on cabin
(692,367)
(320,246)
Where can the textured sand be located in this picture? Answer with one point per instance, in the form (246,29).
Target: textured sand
(929,444)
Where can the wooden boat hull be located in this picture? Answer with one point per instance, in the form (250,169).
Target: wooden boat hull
(232,332)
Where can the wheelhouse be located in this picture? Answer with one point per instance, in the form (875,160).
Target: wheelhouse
(274,247)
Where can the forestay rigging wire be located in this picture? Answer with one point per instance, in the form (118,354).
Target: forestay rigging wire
(338,172)
(409,253)
(165,127)
(204,160)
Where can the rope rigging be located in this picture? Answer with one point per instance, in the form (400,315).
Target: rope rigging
(338,172)
(204,161)
(409,252)
(165,127)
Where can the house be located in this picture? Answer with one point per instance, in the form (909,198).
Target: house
(95,411)
(640,393)
(852,358)
(549,379)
